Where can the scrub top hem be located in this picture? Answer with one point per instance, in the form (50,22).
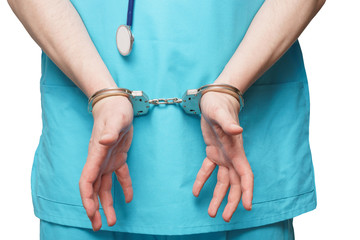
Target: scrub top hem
(44,210)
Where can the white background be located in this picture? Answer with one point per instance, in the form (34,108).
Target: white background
(331,48)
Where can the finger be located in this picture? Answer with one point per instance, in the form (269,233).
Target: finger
(124,179)
(97,185)
(88,195)
(234,195)
(247,188)
(91,206)
(204,173)
(227,122)
(243,169)
(220,190)
(112,129)
(107,199)
(96,221)
(89,180)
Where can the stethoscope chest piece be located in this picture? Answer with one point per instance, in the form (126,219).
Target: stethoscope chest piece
(124,40)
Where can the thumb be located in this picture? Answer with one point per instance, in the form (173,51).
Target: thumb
(110,133)
(227,122)
(108,138)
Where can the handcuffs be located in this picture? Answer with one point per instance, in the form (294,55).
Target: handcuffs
(190,101)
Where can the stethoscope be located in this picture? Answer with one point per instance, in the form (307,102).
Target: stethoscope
(124,37)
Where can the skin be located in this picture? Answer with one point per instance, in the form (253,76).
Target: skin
(275,27)
(57,28)
(224,147)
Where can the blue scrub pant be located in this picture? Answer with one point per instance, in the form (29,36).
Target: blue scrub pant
(277,231)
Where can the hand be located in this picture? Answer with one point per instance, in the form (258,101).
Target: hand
(110,141)
(224,147)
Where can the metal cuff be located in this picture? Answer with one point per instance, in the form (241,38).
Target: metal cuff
(138,99)
(190,102)
(192,97)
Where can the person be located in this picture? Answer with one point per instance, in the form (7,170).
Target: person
(259,156)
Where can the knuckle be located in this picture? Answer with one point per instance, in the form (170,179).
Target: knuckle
(208,150)
(211,152)
(234,198)
(209,166)
(81,181)
(249,174)
(215,113)
(122,116)
(110,204)
(124,156)
(128,185)
(125,118)
(121,172)
(216,196)
(223,178)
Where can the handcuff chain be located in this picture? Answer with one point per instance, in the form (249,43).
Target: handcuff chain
(158,101)
(190,101)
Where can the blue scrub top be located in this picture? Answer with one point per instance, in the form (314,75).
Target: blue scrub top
(179,45)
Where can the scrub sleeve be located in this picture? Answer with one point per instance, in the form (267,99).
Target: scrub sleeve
(179,45)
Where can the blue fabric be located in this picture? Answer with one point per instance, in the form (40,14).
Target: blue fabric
(280,231)
(179,45)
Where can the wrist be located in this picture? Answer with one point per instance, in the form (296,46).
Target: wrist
(108,92)
(233,78)
(90,82)
(112,103)
(92,89)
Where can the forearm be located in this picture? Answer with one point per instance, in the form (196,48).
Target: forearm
(273,30)
(57,28)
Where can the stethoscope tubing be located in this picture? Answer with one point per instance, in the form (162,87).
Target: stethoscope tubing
(130,13)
